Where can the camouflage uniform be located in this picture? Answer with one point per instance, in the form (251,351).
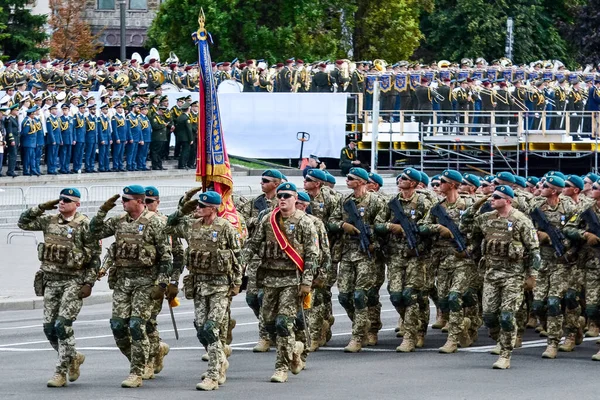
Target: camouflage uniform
(142,257)
(69,259)
(407,274)
(356,275)
(506,242)
(280,277)
(213,258)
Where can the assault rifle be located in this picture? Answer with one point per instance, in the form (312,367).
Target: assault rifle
(556,236)
(355,219)
(592,221)
(444,219)
(411,232)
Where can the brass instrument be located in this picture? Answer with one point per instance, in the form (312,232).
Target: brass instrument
(380,65)
(122,80)
(439,97)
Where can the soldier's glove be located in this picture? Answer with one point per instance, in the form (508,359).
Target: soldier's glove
(318,283)
(49,205)
(396,229)
(189,206)
(85,291)
(477,205)
(529,283)
(110,203)
(190,193)
(234,291)
(171,292)
(445,232)
(101,273)
(350,229)
(536,261)
(591,239)
(158,292)
(303,290)
(543,237)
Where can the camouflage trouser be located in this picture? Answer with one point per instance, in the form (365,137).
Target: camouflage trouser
(592,291)
(224,328)
(210,311)
(552,281)
(502,299)
(61,307)
(406,283)
(255,289)
(152,330)
(452,282)
(573,298)
(375,311)
(279,310)
(356,284)
(430,291)
(472,299)
(319,312)
(131,310)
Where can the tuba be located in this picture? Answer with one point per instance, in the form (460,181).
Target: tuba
(122,80)
(380,65)
(173,59)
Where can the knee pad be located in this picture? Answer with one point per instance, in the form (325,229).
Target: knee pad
(469,298)
(270,328)
(571,299)
(538,308)
(410,297)
(135,328)
(396,299)
(299,321)
(345,300)
(444,306)
(118,327)
(208,330)
(490,320)
(591,310)
(50,332)
(506,321)
(360,299)
(554,309)
(150,327)
(200,335)
(60,328)
(454,301)
(281,326)
(372,297)
(252,301)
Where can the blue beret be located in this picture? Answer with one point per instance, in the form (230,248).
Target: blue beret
(506,190)
(134,190)
(453,175)
(576,181)
(424,178)
(32,109)
(317,174)
(556,173)
(287,186)
(71,192)
(273,173)
(284,178)
(532,180)
(330,178)
(210,198)
(519,180)
(556,181)
(436,177)
(505,176)
(303,196)
(472,179)
(592,177)
(376,178)
(152,191)
(359,173)
(411,173)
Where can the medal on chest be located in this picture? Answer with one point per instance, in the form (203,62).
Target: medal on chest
(292,227)
(361,211)
(412,214)
(510,226)
(213,236)
(141,229)
(69,232)
(562,219)
(321,205)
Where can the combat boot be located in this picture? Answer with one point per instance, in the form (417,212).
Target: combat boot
(223,372)
(398,327)
(163,350)
(539,328)
(324,334)
(353,347)
(74,366)
(207,384)
(420,340)
(569,343)
(406,346)
(503,362)
(518,341)
(371,339)
(445,328)
(579,333)
(296,363)
(593,331)
(463,338)
(440,321)
(314,346)
(474,335)
(449,347)
(531,322)
(58,380)
(496,350)
(227,350)
(230,327)
(550,352)
(132,381)
(543,333)
(279,377)
(400,331)
(205,357)
(262,346)
(148,371)
(596,357)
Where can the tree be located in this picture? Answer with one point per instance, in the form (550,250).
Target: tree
(22,34)
(584,35)
(71,36)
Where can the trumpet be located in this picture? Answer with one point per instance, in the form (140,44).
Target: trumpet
(437,95)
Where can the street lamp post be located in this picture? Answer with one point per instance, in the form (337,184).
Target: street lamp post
(123,34)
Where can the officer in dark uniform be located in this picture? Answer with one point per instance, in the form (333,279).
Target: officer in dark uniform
(285,77)
(504,104)
(184,134)
(423,95)
(445,90)
(575,108)
(249,77)
(488,104)
(321,81)
(11,124)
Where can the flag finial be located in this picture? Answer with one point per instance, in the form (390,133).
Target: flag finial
(201,19)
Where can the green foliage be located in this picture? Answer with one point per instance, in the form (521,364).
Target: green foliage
(584,35)
(21,33)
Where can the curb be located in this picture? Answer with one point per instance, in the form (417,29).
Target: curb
(37,303)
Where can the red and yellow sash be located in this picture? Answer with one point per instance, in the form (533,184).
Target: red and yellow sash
(284,243)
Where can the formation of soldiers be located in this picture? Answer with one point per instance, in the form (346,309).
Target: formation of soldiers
(502,251)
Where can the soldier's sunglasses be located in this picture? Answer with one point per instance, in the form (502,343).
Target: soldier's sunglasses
(404,178)
(546,186)
(200,205)
(125,199)
(283,196)
(263,180)
(594,187)
(350,178)
(65,200)
(497,197)
(309,179)
(435,185)
(149,201)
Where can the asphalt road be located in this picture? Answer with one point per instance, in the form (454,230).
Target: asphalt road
(376,373)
